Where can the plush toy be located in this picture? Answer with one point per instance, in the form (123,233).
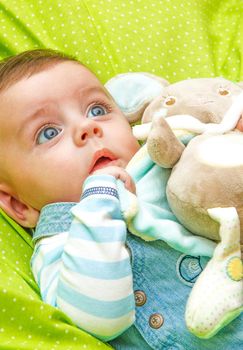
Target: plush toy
(133,92)
(140,95)
(205,187)
(205,191)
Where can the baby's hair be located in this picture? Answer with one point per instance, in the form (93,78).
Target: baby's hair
(14,68)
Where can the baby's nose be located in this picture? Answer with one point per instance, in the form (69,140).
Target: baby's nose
(95,131)
(87,131)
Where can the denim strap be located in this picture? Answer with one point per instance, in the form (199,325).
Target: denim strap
(54,218)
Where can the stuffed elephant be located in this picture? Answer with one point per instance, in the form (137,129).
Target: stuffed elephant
(205,192)
(205,187)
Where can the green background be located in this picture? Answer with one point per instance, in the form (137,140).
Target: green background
(173,39)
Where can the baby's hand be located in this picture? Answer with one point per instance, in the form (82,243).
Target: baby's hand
(118,173)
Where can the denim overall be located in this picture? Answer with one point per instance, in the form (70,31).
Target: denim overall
(163,278)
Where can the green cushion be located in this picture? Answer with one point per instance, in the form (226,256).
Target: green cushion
(176,40)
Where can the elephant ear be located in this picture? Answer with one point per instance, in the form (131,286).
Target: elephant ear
(134,91)
(163,146)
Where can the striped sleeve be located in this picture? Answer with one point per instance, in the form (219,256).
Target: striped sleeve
(86,272)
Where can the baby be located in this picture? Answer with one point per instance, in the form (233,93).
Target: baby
(64,147)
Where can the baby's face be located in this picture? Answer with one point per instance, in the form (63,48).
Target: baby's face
(57,127)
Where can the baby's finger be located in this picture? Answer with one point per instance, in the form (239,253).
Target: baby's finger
(130,185)
(128,181)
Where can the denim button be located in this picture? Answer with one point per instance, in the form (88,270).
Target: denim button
(156,321)
(140,298)
(188,268)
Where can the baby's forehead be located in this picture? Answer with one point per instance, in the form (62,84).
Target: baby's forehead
(17,73)
(69,73)
(53,87)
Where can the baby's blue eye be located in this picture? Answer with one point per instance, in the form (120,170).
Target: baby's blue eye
(48,133)
(96,111)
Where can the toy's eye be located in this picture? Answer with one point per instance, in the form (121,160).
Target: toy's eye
(48,133)
(96,111)
(169,101)
(223,92)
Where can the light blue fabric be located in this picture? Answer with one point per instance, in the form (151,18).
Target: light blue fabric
(154,218)
(166,276)
(133,90)
(88,279)
(47,215)
(163,274)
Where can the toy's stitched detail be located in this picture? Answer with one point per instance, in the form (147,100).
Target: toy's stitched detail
(188,269)
(234,269)
(100,190)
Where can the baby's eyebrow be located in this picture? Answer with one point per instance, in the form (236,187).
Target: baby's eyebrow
(30,120)
(92,90)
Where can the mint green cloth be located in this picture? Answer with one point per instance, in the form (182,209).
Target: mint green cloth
(176,40)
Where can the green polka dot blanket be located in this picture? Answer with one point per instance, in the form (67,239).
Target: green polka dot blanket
(176,40)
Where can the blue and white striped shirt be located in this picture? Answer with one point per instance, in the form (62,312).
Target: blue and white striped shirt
(81,263)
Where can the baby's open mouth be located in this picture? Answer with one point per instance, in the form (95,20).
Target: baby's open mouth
(101,163)
(102,159)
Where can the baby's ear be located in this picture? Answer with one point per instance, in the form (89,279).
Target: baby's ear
(23,214)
